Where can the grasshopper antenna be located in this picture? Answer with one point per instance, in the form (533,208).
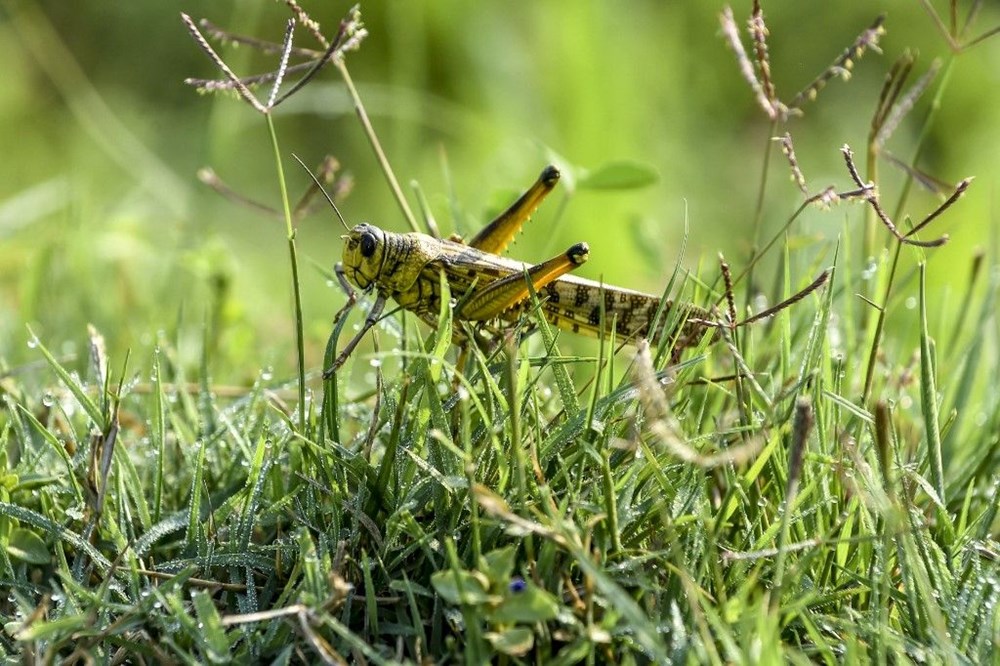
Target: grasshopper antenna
(322,189)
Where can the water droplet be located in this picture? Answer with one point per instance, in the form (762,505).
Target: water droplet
(911,303)
(869,271)
(32,342)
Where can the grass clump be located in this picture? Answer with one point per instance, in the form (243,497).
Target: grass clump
(787,488)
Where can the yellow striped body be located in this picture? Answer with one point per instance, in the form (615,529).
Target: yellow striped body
(407,268)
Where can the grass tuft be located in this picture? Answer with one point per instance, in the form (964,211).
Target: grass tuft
(772,488)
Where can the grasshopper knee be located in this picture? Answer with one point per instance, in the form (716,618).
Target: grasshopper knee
(578,254)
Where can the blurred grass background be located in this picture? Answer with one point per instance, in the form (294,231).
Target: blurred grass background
(103,221)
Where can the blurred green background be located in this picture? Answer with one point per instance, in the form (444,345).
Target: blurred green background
(103,221)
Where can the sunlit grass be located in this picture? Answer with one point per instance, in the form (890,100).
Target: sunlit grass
(819,486)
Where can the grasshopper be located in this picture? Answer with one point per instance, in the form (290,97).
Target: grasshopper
(408,267)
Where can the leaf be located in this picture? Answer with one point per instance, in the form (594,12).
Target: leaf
(514,642)
(444,329)
(28,547)
(462,587)
(39,631)
(213,637)
(624,175)
(71,382)
(499,564)
(527,605)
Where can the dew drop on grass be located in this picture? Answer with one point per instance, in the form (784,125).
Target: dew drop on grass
(375,363)
(32,342)
(911,303)
(48,399)
(869,272)
(835,340)
(267,374)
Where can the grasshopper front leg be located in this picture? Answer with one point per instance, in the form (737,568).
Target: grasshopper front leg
(370,320)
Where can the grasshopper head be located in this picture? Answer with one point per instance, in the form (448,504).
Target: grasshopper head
(364,252)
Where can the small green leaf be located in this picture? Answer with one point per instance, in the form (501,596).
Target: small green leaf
(72,383)
(462,587)
(41,630)
(528,605)
(213,635)
(444,329)
(514,642)
(625,175)
(27,546)
(498,564)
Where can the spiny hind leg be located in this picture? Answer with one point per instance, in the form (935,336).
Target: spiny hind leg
(501,295)
(497,235)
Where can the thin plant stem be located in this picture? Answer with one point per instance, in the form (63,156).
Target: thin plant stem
(904,194)
(880,326)
(871,223)
(758,214)
(383,161)
(293,256)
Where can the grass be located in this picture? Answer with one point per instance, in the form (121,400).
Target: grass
(818,487)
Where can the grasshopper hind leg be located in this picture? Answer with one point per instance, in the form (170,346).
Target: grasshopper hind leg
(497,235)
(503,294)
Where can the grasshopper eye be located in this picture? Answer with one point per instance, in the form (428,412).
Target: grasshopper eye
(367,245)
